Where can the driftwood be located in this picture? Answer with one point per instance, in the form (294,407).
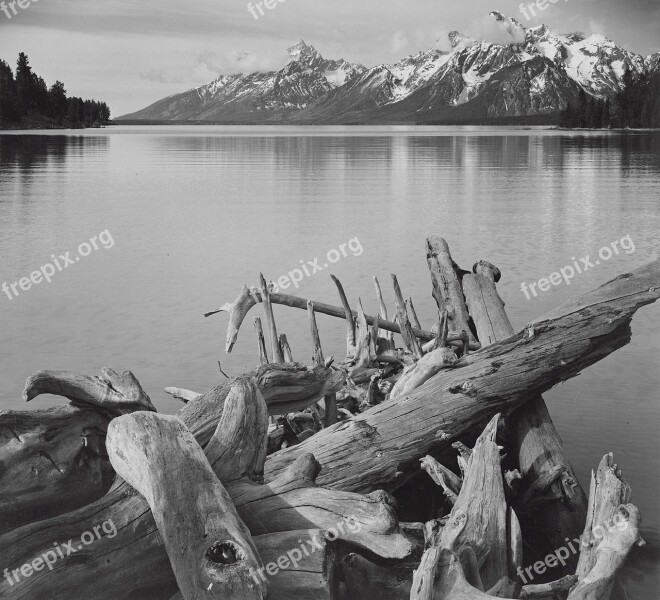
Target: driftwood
(611,530)
(210,549)
(232,541)
(133,561)
(249,297)
(446,285)
(534,438)
(53,461)
(388,439)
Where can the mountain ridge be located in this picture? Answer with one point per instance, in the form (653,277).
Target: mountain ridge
(538,72)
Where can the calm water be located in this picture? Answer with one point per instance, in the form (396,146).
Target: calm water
(196,212)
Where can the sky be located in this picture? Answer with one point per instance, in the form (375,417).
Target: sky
(132,53)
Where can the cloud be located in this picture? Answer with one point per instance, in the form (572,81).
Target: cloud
(597,27)
(399,42)
(211,64)
(497,32)
(159,76)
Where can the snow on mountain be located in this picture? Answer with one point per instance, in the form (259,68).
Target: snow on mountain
(596,63)
(307,77)
(529,71)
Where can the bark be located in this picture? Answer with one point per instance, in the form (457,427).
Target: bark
(534,439)
(387,440)
(210,549)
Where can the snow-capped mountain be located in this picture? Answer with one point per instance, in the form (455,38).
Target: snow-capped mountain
(307,77)
(537,71)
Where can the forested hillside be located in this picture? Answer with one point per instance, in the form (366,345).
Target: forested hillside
(637,105)
(25,100)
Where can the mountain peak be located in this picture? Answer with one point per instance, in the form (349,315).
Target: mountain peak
(301,50)
(456,38)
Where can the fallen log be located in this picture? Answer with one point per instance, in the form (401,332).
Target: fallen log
(210,549)
(133,562)
(53,461)
(388,439)
(534,439)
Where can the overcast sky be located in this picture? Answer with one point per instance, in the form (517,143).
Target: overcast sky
(132,53)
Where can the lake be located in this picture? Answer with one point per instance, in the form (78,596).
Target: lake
(172,221)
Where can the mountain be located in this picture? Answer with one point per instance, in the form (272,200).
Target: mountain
(536,72)
(307,77)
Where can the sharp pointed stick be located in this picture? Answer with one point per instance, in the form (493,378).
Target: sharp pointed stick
(270,321)
(180,394)
(316,338)
(350,321)
(261,342)
(286,349)
(409,339)
(382,307)
(413,313)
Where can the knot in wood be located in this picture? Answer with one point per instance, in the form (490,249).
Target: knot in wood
(224,553)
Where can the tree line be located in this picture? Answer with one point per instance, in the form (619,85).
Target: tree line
(25,99)
(637,105)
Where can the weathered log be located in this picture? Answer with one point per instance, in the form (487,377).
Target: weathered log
(309,564)
(114,393)
(249,297)
(133,562)
(388,439)
(210,549)
(548,591)
(482,501)
(534,439)
(285,388)
(611,530)
(446,285)
(426,367)
(53,461)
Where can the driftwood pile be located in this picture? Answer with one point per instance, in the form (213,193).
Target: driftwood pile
(281,483)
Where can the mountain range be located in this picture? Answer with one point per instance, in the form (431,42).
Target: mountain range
(537,73)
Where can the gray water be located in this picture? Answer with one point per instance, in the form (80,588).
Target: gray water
(190,214)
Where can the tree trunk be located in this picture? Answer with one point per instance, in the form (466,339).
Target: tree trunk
(534,438)
(210,549)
